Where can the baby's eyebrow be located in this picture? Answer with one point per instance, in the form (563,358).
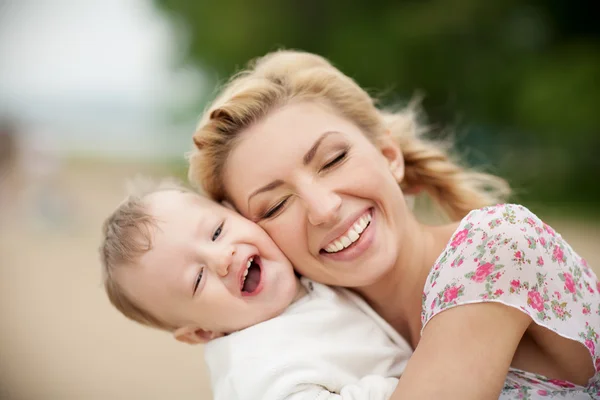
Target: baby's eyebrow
(200,229)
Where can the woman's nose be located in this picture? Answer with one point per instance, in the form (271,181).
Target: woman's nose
(322,205)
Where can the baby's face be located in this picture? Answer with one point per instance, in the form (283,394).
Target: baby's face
(209,267)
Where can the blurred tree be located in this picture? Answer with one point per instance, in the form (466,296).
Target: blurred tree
(518,78)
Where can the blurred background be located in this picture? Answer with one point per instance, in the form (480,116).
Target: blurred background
(93,92)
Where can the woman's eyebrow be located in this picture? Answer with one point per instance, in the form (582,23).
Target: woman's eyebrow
(310,154)
(270,186)
(308,157)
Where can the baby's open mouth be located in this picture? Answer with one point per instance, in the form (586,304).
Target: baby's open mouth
(251,277)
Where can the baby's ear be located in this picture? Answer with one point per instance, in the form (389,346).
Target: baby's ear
(192,335)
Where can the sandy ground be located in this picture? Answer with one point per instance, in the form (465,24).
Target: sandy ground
(60,338)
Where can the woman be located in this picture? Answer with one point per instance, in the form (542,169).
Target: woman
(298,147)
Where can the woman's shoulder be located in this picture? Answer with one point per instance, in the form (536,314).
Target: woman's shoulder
(506,237)
(498,226)
(506,253)
(504,216)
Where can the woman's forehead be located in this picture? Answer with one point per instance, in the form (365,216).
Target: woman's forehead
(289,132)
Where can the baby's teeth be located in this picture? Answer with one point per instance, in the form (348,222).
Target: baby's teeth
(248,263)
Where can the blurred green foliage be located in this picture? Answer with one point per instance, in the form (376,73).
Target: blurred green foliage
(518,81)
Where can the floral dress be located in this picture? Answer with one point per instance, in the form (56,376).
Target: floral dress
(507,254)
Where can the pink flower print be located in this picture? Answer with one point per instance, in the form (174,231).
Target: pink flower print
(589,288)
(558,295)
(558,310)
(530,221)
(498,292)
(459,238)
(518,255)
(548,229)
(433,304)
(482,272)
(451,293)
(535,300)
(569,284)
(543,241)
(558,254)
(540,261)
(560,383)
(586,309)
(542,392)
(515,283)
(598,286)
(590,345)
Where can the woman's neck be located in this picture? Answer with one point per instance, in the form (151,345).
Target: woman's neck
(397,296)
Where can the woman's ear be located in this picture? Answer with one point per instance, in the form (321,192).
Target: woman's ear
(192,335)
(391,151)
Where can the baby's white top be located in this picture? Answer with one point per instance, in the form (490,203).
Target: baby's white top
(328,345)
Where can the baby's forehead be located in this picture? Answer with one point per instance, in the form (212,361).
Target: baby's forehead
(170,201)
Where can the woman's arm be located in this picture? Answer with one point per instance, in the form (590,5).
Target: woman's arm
(464,353)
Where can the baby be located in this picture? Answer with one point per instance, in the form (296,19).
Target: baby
(180,262)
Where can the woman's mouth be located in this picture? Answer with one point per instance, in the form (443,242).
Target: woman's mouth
(251,278)
(349,238)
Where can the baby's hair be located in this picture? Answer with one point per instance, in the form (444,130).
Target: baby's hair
(283,77)
(126,236)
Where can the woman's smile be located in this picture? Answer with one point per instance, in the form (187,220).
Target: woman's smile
(354,241)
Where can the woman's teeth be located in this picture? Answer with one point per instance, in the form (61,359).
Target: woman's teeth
(350,236)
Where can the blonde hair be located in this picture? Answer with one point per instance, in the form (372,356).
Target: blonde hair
(126,236)
(281,77)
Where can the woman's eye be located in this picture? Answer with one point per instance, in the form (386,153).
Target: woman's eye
(274,210)
(198,279)
(217,232)
(335,161)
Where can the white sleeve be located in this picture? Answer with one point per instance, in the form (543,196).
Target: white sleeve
(371,387)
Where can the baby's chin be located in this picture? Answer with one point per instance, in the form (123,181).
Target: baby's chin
(274,307)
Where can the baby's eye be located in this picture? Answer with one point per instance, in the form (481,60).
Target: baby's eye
(217,232)
(198,279)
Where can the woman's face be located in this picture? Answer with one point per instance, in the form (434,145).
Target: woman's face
(326,194)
